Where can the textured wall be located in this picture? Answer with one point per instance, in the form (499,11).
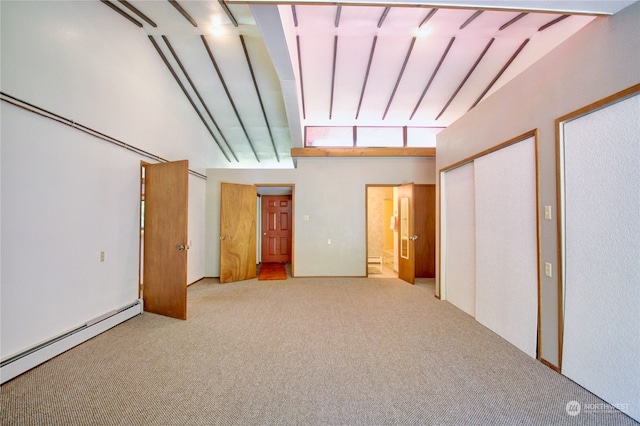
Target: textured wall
(602,245)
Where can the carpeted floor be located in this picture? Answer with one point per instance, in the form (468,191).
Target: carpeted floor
(305,351)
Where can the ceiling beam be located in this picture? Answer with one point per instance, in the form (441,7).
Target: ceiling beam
(466,77)
(226,90)
(471,19)
(433,75)
(184,90)
(183,12)
(366,75)
(333,74)
(385,12)
(195,90)
(426,18)
(504,68)
(513,21)
(228,12)
(363,152)
(304,112)
(132,8)
(395,88)
(255,84)
(553,22)
(122,13)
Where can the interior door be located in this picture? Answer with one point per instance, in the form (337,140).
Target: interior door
(238,209)
(165,238)
(424,197)
(406,235)
(276,228)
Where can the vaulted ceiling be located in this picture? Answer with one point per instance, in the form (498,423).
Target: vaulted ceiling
(257,74)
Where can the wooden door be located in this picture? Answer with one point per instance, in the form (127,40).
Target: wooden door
(424,197)
(164,288)
(276,229)
(238,211)
(406,234)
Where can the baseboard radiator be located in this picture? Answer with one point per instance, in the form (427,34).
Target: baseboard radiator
(24,361)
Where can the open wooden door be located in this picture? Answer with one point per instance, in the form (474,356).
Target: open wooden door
(424,201)
(406,235)
(238,211)
(166,188)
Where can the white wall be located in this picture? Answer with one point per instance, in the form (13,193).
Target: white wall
(598,61)
(601,346)
(331,191)
(67,195)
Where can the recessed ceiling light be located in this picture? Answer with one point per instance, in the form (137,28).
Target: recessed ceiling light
(423,31)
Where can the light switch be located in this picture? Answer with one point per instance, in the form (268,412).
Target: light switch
(547,212)
(548,269)
(305,217)
(329,241)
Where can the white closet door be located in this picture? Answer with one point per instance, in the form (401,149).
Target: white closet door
(506,244)
(601,349)
(459,222)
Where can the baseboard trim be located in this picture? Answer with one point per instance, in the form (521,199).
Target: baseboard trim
(24,361)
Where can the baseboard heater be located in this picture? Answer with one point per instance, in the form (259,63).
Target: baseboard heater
(24,361)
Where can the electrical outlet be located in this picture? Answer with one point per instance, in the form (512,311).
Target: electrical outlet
(547,212)
(548,269)
(305,217)
(329,241)
(101,256)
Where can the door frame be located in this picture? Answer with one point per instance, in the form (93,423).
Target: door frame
(293,218)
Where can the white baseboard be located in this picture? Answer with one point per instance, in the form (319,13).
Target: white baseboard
(25,361)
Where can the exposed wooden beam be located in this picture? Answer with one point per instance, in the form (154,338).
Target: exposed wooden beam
(295,15)
(429,16)
(338,12)
(513,21)
(466,77)
(195,90)
(363,152)
(122,13)
(255,84)
(132,8)
(226,9)
(226,89)
(555,21)
(395,88)
(333,74)
(384,15)
(433,75)
(504,68)
(468,21)
(366,75)
(183,12)
(304,111)
(186,93)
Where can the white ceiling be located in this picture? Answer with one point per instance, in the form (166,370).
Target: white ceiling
(251,138)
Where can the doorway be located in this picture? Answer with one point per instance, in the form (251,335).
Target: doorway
(382,233)
(275,218)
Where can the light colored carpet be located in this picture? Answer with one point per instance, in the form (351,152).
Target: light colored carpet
(306,351)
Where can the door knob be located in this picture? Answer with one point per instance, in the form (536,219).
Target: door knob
(415,237)
(222,238)
(180,247)
(264,233)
